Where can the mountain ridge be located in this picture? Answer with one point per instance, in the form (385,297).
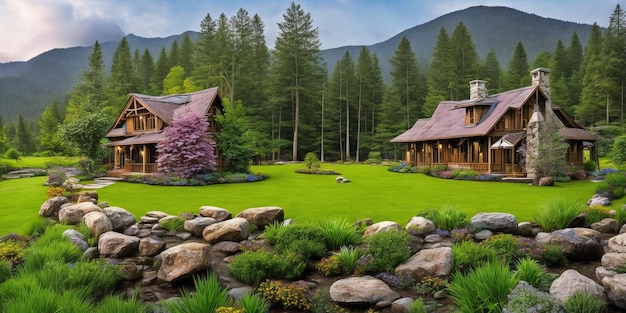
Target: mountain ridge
(27,87)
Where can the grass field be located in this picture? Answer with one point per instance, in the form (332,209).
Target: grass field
(374,192)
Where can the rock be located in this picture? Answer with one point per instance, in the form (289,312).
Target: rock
(614,260)
(615,287)
(129,271)
(116,245)
(420,226)
(227,247)
(184,260)
(546,181)
(132,230)
(495,222)
(219,214)
(578,243)
(120,218)
(236,229)
(151,246)
(165,220)
(51,207)
(156,214)
(606,225)
(149,219)
(602,272)
(525,229)
(197,225)
(571,282)
(361,290)
(183,235)
(380,227)
(73,214)
(429,262)
(402,305)
(341,180)
(76,238)
(240,292)
(432,238)
(483,234)
(263,216)
(618,243)
(623,229)
(98,222)
(599,200)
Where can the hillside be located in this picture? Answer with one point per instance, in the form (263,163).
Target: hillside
(27,87)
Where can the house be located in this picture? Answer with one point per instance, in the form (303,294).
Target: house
(494,133)
(139,127)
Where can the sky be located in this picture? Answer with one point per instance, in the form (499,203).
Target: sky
(31,27)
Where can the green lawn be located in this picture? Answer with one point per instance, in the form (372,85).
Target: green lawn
(374,193)
(39,162)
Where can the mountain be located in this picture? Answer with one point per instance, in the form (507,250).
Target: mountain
(27,87)
(498,28)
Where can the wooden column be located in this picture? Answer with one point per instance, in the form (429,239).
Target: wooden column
(489,156)
(143,158)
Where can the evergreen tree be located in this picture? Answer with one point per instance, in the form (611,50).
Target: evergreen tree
(49,123)
(121,80)
(367,86)
(236,138)
(574,72)
(491,71)
(186,54)
(23,140)
(203,70)
(88,95)
(559,78)
(173,56)
(4,144)
(590,108)
(517,71)
(390,124)
(465,60)
(297,65)
(145,73)
(441,73)
(614,60)
(342,96)
(406,83)
(161,70)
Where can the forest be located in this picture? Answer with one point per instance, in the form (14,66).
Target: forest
(293,105)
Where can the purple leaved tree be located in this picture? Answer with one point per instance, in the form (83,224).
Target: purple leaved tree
(186,149)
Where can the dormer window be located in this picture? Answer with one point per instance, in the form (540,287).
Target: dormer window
(145,122)
(470,116)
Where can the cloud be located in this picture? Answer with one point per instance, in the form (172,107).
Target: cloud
(30,27)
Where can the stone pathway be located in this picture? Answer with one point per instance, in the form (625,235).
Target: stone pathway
(102,182)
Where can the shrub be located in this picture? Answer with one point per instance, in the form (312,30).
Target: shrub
(596,213)
(417,306)
(54,192)
(449,217)
(465,173)
(505,245)
(339,233)
(583,302)
(272,230)
(386,250)
(208,297)
(287,295)
(349,256)
(175,223)
(558,213)
(402,168)
(589,166)
(430,285)
(529,271)
(524,298)
(483,289)
(252,267)
(56,178)
(304,239)
(438,168)
(320,303)
(468,254)
(11,251)
(312,161)
(373,157)
(528,247)
(553,255)
(329,266)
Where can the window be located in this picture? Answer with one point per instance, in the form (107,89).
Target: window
(145,122)
(470,114)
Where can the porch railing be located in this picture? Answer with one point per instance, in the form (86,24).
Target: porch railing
(138,167)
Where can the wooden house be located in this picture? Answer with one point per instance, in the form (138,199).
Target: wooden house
(139,126)
(493,133)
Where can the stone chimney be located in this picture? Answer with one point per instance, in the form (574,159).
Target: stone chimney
(478,89)
(541,76)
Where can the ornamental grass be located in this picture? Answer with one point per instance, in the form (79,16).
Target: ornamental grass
(208,296)
(339,232)
(558,213)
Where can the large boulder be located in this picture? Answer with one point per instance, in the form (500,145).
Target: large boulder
(98,222)
(51,207)
(546,181)
(615,287)
(578,243)
(219,214)
(571,282)
(184,260)
(73,214)
(116,245)
(428,262)
(380,227)
(198,224)
(613,260)
(618,243)
(263,216)
(88,196)
(120,218)
(606,225)
(76,238)
(420,226)
(236,229)
(151,246)
(361,290)
(495,222)
(599,200)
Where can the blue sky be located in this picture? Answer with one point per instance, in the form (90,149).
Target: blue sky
(30,27)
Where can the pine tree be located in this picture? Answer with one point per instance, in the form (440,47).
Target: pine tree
(88,95)
(186,150)
(517,71)
(173,57)
(236,138)
(491,71)
(441,74)
(4,144)
(186,54)
(146,72)
(406,83)
(342,96)
(574,71)
(614,60)
(465,60)
(203,70)
(590,108)
(23,137)
(161,70)
(121,80)
(49,123)
(297,62)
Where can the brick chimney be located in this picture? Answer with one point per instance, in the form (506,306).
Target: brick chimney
(478,89)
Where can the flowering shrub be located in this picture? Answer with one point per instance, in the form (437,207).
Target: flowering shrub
(401,280)
(54,192)
(171,179)
(287,295)
(329,266)
(430,285)
(604,171)
(224,309)
(444,174)
(402,167)
(56,179)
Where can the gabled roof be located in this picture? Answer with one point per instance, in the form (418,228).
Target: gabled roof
(164,107)
(448,120)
